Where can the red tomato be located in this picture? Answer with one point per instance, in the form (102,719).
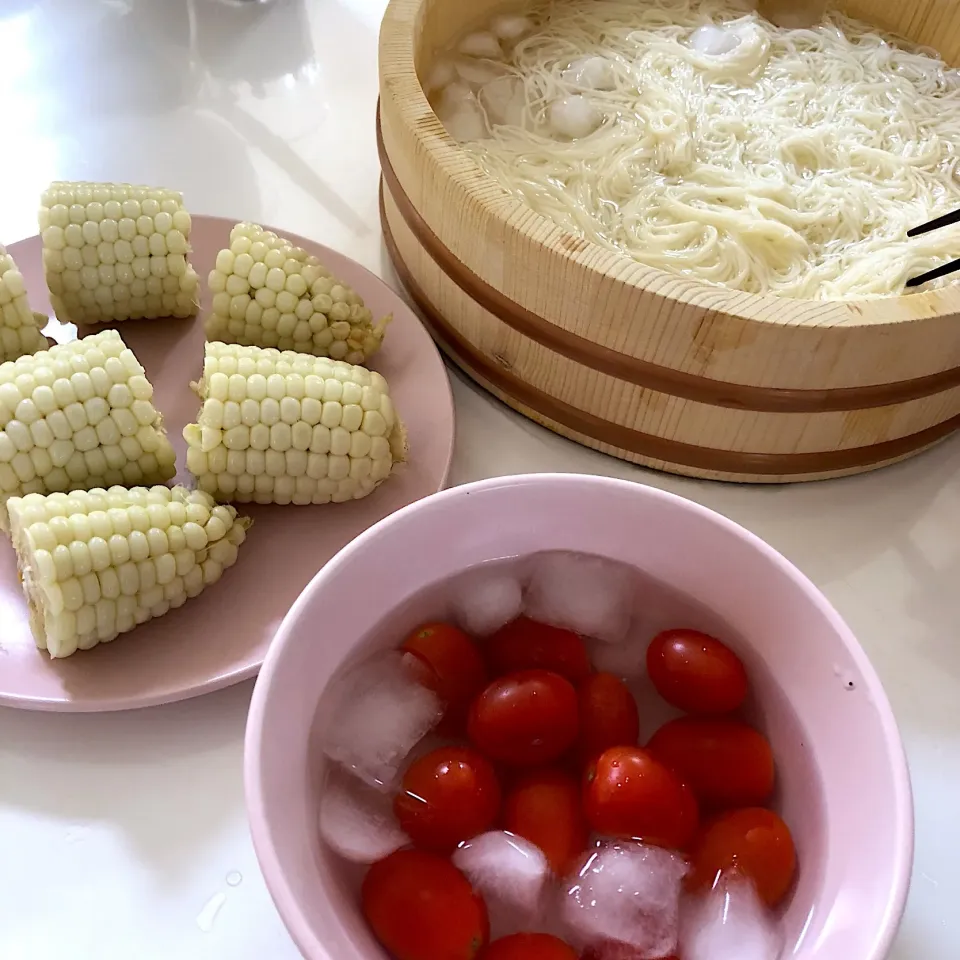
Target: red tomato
(525,719)
(544,808)
(725,762)
(608,715)
(752,841)
(695,672)
(421,907)
(457,672)
(449,795)
(529,946)
(527,645)
(628,793)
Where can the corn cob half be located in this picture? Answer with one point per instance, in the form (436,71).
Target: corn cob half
(112,251)
(19,326)
(269,293)
(285,427)
(96,563)
(76,416)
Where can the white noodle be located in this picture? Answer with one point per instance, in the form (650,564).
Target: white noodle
(793,164)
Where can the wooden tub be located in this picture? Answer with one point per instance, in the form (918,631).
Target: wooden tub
(656,369)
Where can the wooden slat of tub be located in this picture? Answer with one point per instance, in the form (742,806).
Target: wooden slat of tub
(743,461)
(659,413)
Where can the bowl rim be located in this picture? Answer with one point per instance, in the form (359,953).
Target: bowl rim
(400,84)
(262,832)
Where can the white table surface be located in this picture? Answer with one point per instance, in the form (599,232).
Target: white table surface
(123,837)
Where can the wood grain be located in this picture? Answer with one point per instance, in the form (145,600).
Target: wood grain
(634,347)
(515,380)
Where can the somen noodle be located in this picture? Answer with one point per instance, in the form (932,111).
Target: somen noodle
(700,139)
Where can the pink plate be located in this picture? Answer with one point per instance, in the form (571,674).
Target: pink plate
(221,637)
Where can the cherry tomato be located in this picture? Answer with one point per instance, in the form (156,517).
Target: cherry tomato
(525,644)
(608,715)
(529,946)
(421,907)
(449,795)
(457,672)
(544,807)
(696,672)
(525,719)
(628,793)
(752,841)
(725,762)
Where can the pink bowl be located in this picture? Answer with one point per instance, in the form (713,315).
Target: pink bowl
(844,784)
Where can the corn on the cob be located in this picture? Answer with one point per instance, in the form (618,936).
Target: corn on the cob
(112,251)
(284,427)
(19,326)
(96,563)
(76,416)
(269,293)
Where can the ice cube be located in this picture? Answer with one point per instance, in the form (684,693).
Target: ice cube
(486,601)
(375,715)
(478,72)
(356,821)
(714,41)
(504,101)
(626,894)
(511,27)
(510,873)
(728,923)
(481,44)
(627,659)
(593,73)
(454,96)
(574,116)
(588,595)
(459,111)
(441,73)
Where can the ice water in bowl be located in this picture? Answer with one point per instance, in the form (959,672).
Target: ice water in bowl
(557,756)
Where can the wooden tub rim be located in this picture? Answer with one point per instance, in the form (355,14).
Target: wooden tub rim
(398,75)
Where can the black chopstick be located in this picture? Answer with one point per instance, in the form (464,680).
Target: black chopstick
(935,224)
(943,221)
(935,274)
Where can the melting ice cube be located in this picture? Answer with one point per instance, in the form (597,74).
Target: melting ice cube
(356,821)
(594,73)
(486,601)
(728,923)
(627,659)
(626,894)
(714,41)
(510,873)
(441,73)
(481,44)
(478,72)
(574,116)
(589,595)
(459,111)
(505,102)
(511,27)
(375,715)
